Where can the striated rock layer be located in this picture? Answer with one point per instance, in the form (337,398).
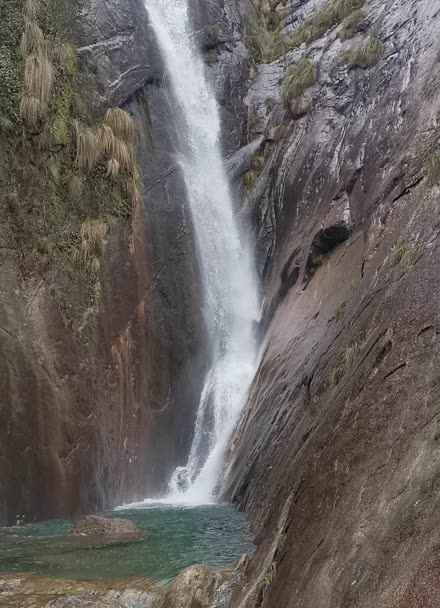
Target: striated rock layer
(336,460)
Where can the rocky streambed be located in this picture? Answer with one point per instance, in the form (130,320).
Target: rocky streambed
(196,586)
(146,558)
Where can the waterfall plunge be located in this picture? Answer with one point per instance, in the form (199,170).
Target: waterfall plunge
(230,290)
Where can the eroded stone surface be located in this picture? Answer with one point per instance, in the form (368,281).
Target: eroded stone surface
(336,459)
(194,587)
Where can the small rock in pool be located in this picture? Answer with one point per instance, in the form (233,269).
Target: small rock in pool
(96,526)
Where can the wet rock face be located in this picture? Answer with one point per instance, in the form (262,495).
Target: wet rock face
(79,399)
(219,26)
(126,60)
(98,414)
(117,49)
(336,458)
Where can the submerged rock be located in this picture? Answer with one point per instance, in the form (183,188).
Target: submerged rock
(111,528)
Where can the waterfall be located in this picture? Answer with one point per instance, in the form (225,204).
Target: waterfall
(230,297)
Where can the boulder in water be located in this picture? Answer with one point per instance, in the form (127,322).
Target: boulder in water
(108,528)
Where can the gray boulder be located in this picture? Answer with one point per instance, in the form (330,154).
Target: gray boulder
(108,528)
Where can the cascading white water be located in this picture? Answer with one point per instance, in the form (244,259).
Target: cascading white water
(230,290)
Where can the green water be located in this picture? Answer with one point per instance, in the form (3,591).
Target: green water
(178,537)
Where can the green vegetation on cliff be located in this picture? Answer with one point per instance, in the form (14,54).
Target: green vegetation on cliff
(251,176)
(432,167)
(267,42)
(66,179)
(367,54)
(350,24)
(405,256)
(298,79)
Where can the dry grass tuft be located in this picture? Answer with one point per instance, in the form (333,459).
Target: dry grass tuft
(113,168)
(31,8)
(432,167)
(350,25)
(74,186)
(122,154)
(94,265)
(79,255)
(121,123)
(106,140)
(405,256)
(88,150)
(115,148)
(94,232)
(30,109)
(133,190)
(38,69)
(299,77)
(367,55)
(265,44)
(38,77)
(32,39)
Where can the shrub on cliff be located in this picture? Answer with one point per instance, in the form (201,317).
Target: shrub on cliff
(264,43)
(267,42)
(350,25)
(432,167)
(325,18)
(38,70)
(251,176)
(367,54)
(88,151)
(299,77)
(405,256)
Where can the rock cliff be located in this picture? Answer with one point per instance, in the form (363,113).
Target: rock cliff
(330,113)
(336,458)
(100,331)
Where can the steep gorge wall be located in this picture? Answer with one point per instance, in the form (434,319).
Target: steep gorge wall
(336,459)
(73,344)
(101,366)
(100,370)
